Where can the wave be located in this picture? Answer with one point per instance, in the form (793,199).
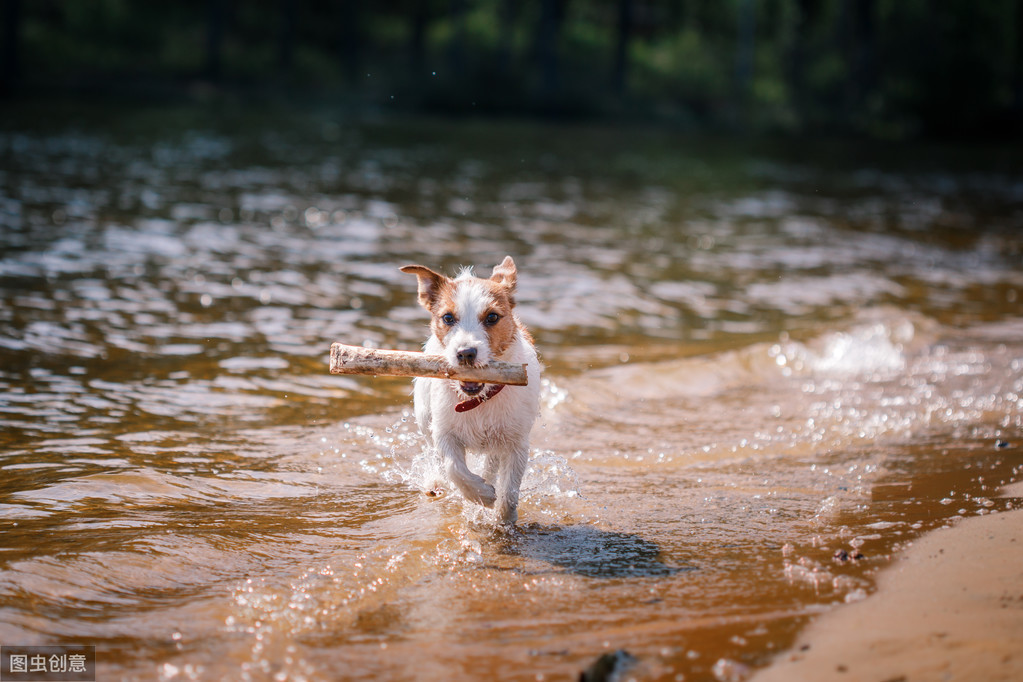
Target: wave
(887,373)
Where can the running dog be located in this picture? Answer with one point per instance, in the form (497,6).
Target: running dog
(473,323)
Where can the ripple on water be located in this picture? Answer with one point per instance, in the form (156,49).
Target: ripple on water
(181,473)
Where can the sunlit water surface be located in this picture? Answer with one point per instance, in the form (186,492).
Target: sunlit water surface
(756,359)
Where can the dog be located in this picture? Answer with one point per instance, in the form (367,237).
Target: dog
(473,322)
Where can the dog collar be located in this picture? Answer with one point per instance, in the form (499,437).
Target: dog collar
(473,403)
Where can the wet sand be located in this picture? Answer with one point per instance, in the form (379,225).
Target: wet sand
(949,608)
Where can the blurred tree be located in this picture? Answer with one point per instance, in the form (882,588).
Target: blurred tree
(286,36)
(349,40)
(216,18)
(859,46)
(548,32)
(621,55)
(10,62)
(419,19)
(882,67)
(745,50)
(807,13)
(507,14)
(947,64)
(457,49)
(1017,74)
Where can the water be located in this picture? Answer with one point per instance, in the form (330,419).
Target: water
(756,358)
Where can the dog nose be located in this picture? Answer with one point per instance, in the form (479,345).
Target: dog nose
(466,356)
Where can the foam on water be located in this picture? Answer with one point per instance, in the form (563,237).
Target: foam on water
(398,454)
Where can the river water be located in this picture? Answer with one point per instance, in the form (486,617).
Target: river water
(757,356)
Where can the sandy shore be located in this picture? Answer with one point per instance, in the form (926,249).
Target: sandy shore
(948,608)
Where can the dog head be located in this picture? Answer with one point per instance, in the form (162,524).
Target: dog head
(471,316)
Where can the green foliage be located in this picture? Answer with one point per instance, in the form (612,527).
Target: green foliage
(886,68)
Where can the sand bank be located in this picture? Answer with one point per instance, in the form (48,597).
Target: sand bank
(948,608)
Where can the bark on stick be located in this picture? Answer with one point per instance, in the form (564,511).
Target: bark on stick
(345,359)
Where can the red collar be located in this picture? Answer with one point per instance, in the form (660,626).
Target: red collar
(486,395)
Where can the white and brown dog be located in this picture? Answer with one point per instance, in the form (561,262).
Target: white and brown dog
(473,323)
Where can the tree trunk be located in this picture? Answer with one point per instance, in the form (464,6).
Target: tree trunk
(286,40)
(806,18)
(859,47)
(508,11)
(349,45)
(745,50)
(457,47)
(419,19)
(621,64)
(10,67)
(552,14)
(1017,80)
(216,21)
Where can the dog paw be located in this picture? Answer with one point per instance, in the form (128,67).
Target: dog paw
(487,495)
(508,516)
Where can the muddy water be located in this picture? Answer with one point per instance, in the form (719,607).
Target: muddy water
(756,358)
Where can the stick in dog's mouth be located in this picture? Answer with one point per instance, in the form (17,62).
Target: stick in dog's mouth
(345,359)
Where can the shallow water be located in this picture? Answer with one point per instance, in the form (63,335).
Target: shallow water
(756,357)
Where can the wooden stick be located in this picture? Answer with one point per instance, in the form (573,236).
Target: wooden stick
(345,359)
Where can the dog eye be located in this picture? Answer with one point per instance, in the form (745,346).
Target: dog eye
(491,319)
(448,319)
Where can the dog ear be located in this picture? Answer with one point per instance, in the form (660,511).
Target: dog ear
(430,284)
(505,273)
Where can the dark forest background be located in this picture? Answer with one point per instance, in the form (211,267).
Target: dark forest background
(879,68)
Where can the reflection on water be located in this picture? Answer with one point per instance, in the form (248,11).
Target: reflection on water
(755,362)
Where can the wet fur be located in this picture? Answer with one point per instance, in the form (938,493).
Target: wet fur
(499,427)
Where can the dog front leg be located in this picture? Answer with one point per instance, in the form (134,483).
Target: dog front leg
(471,486)
(492,466)
(509,479)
